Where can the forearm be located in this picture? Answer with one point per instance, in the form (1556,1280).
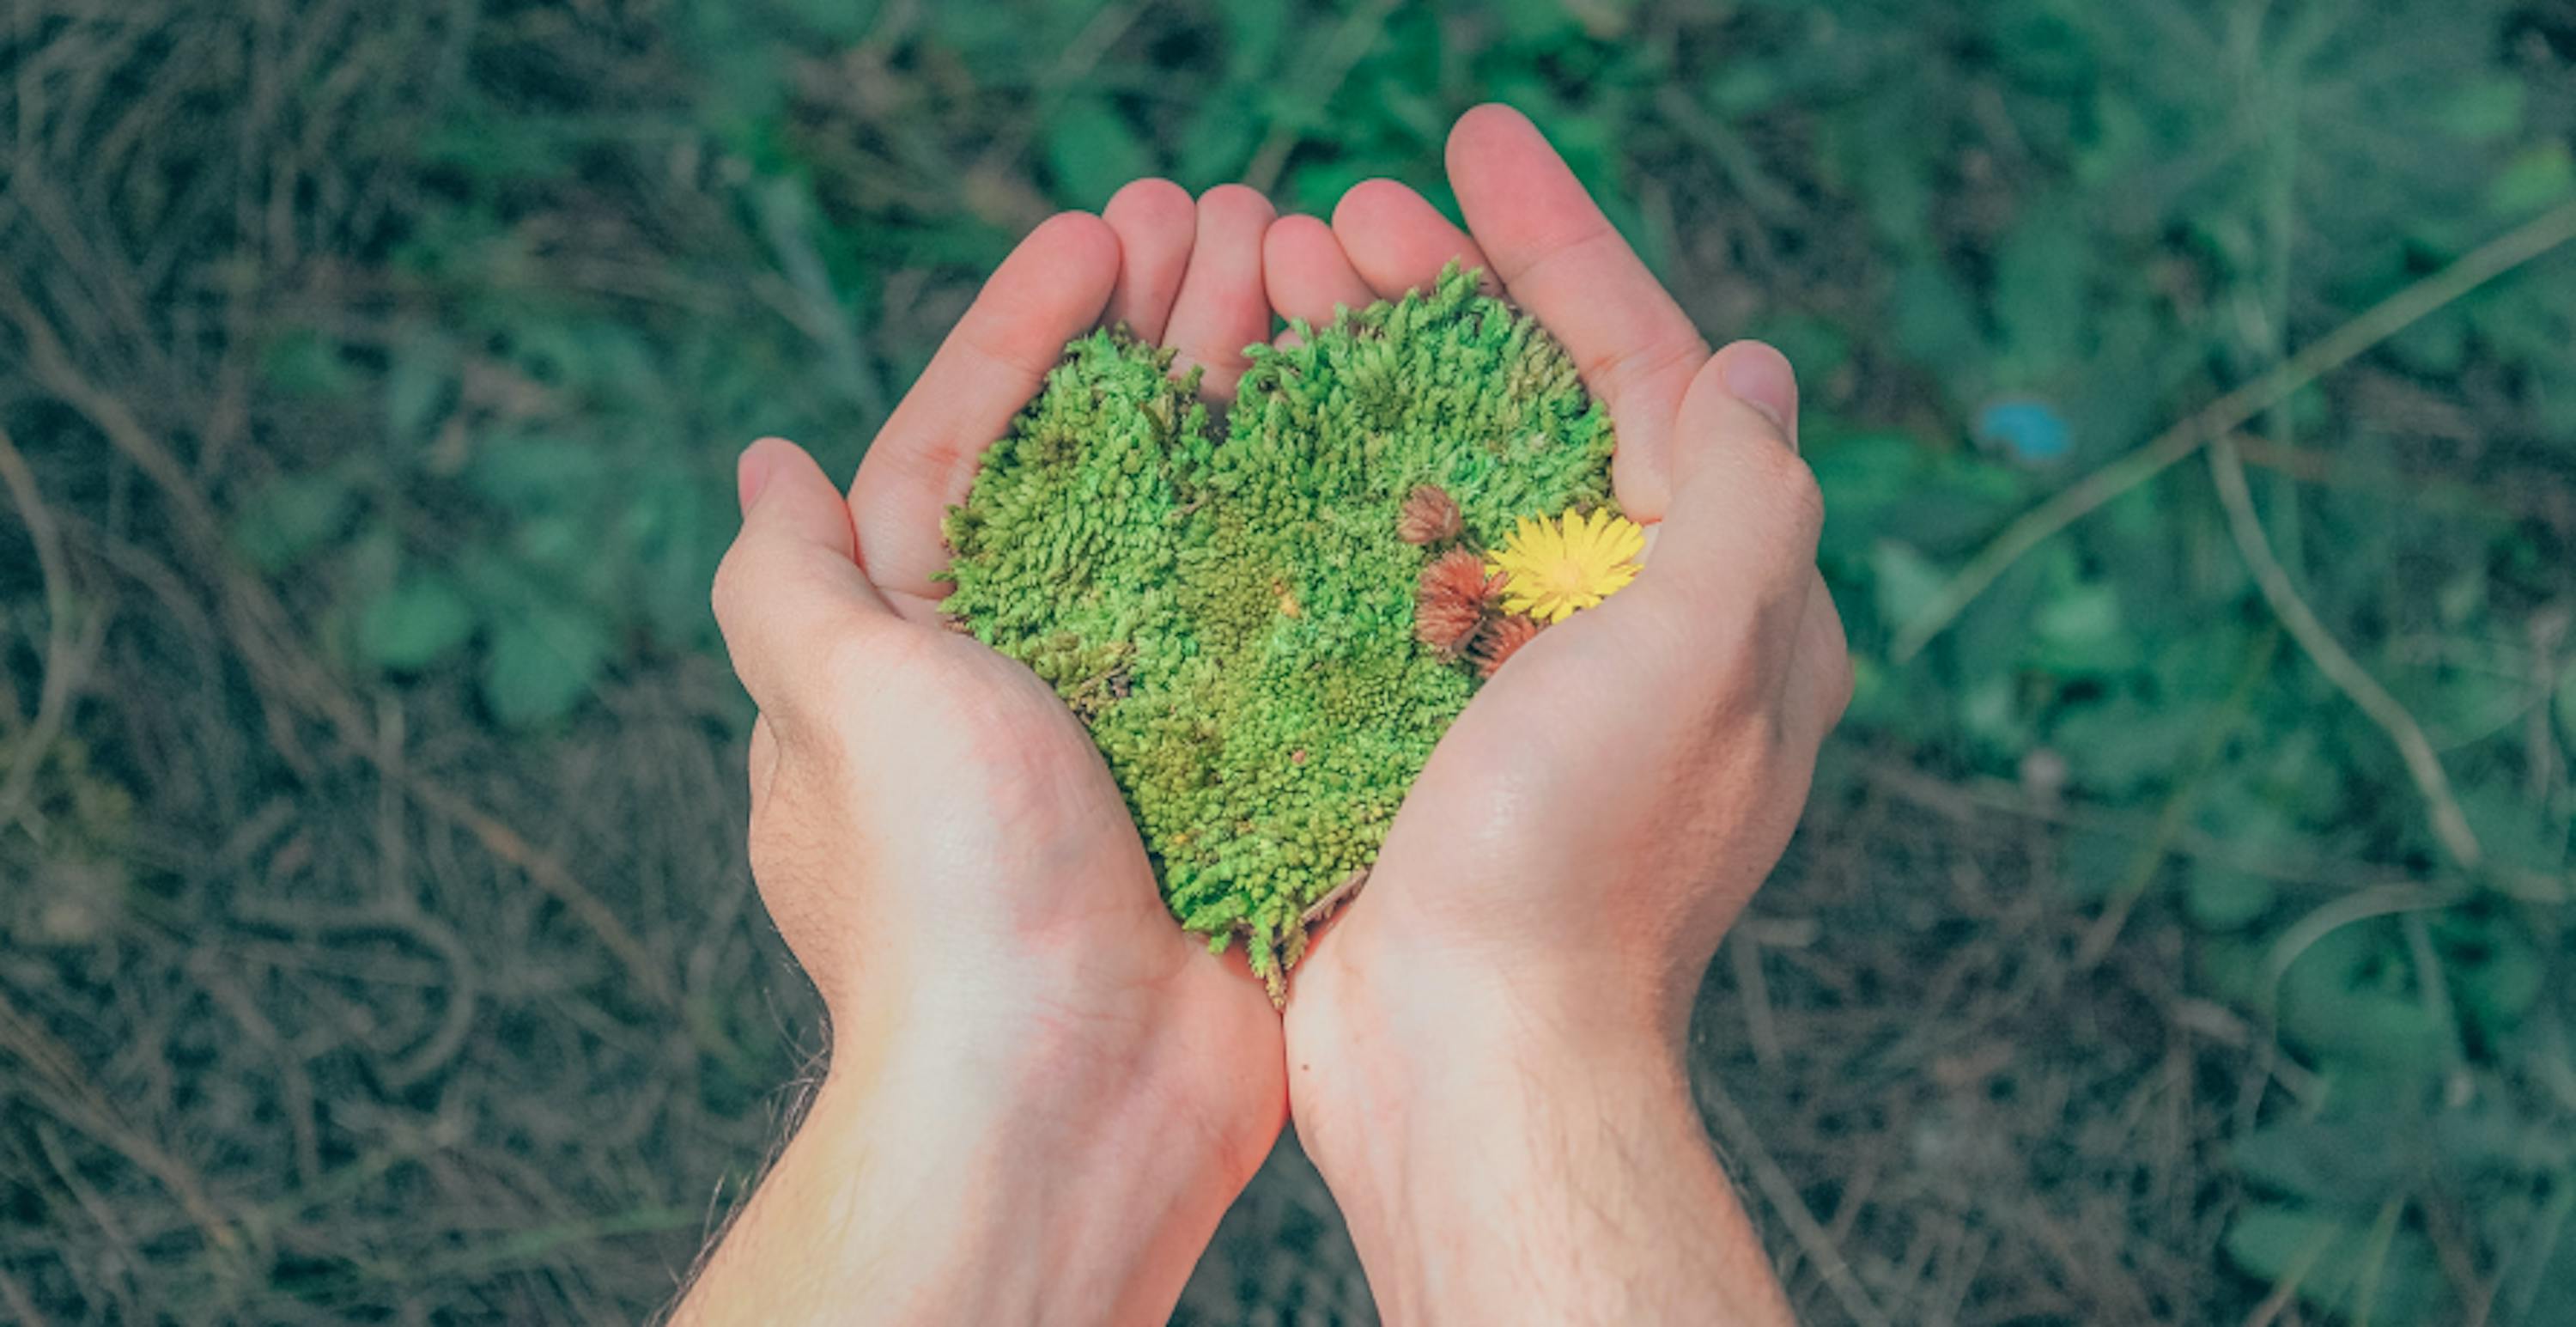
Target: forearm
(1527,1176)
(889,1210)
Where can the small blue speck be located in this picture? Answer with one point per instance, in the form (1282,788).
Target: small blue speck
(2027,430)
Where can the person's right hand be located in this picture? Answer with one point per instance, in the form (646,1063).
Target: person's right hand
(1520,968)
(1042,1094)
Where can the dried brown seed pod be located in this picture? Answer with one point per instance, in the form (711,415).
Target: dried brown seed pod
(1449,605)
(1429,516)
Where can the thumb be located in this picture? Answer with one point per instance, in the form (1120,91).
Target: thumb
(789,593)
(1737,547)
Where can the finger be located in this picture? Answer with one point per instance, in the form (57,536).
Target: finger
(1222,307)
(790,587)
(1049,291)
(1561,259)
(1757,374)
(1307,275)
(1155,221)
(1397,240)
(1738,550)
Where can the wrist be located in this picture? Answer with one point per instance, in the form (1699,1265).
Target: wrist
(1000,1170)
(1516,1154)
(1008,1208)
(1369,1006)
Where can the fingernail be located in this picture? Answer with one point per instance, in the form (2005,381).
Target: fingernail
(1760,377)
(750,476)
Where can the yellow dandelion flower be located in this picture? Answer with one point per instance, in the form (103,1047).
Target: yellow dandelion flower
(1553,567)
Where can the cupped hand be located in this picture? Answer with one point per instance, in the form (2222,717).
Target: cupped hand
(934,833)
(1556,881)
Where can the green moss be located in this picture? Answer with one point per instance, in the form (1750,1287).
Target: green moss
(1234,620)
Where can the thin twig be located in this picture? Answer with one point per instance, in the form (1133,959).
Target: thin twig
(2359,906)
(2450,824)
(2230,412)
(21,1306)
(1745,953)
(53,695)
(1743,1144)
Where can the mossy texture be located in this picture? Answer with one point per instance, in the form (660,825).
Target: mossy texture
(1228,605)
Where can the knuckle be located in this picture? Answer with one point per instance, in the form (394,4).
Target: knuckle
(1621,368)
(1796,495)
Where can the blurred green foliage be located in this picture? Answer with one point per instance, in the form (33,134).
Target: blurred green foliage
(577,253)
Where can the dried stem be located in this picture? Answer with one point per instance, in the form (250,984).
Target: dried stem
(2450,824)
(53,696)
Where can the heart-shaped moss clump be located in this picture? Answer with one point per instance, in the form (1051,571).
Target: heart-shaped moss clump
(1267,631)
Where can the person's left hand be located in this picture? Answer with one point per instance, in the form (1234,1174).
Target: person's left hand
(1495,1032)
(1019,1027)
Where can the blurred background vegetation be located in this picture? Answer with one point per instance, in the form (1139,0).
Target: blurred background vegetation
(2180,932)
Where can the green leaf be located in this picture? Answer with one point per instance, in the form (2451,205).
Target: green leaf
(2082,629)
(2082,617)
(542,663)
(2220,899)
(1540,22)
(2351,998)
(1991,714)
(2511,825)
(1218,141)
(418,389)
(527,473)
(2535,178)
(2483,109)
(1092,151)
(2344,1162)
(1254,32)
(1904,579)
(2041,270)
(294,515)
(2117,746)
(1936,325)
(419,622)
(2333,1258)
(306,363)
(2493,967)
